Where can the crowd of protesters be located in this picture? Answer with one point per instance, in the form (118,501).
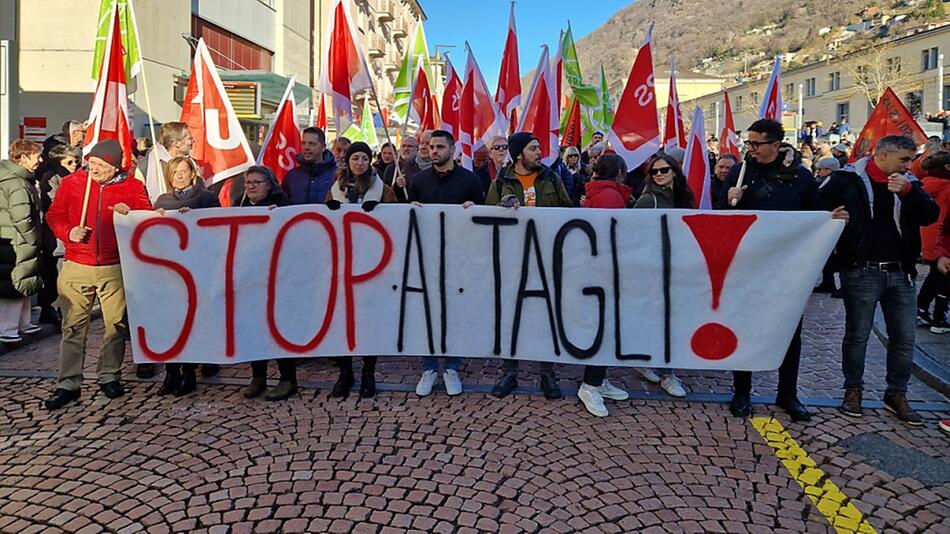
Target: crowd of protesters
(50,247)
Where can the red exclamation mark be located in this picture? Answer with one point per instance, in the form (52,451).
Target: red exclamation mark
(718,237)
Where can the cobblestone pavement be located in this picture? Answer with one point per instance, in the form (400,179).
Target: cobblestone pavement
(215,462)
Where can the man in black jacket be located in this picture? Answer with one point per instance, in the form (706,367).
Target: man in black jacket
(774,180)
(877,255)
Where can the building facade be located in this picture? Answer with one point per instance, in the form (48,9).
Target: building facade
(46,55)
(828,91)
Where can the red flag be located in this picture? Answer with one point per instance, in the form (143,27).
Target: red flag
(771,107)
(282,144)
(674,135)
(557,68)
(109,116)
(508,94)
(729,140)
(451,100)
(541,110)
(322,114)
(344,71)
(220,147)
(572,132)
(436,119)
(478,116)
(635,133)
(696,163)
(421,107)
(889,117)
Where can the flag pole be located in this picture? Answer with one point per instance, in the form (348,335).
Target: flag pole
(148,104)
(372,88)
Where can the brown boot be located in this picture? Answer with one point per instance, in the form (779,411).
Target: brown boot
(255,388)
(283,390)
(851,406)
(897,404)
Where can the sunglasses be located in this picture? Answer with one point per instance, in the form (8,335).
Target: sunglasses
(661,170)
(573,156)
(499,147)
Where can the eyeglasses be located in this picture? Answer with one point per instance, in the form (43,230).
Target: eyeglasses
(499,147)
(754,145)
(573,155)
(661,170)
(253,183)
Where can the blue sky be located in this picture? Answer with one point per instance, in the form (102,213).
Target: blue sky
(484,23)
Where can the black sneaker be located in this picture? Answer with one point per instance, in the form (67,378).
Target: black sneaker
(941,327)
(550,388)
(897,404)
(61,397)
(505,385)
(112,390)
(740,405)
(923,317)
(145,370)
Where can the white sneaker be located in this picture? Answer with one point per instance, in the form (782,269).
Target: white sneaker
(612,392)
(592,400)
(32,329)
(673,386)
(453,386)
(11,339)
(649,374)
(424,387)
(940,328)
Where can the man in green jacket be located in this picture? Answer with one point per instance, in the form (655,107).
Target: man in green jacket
(527,183)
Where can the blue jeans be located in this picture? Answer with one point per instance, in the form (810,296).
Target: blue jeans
(431,363)
(863,289)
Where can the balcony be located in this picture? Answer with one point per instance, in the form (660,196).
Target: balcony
(392,61)
(377,46)
(384,10)
(399,28)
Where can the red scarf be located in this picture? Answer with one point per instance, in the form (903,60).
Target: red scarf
(875,173)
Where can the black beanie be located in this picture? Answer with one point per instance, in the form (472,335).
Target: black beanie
(358,146)
(517,142)
(109,151)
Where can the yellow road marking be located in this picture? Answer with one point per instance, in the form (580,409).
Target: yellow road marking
(824,494)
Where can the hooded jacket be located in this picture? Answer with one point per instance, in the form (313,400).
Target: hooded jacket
(20,237)
(549,189)
(852,189)
(100,247)
(606,194)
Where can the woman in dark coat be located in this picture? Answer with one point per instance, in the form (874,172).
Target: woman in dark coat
(261,189)
(186,191)
(20,239)
(358,183)
(64,160)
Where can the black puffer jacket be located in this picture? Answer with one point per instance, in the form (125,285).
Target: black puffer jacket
(20,237)
(195,197)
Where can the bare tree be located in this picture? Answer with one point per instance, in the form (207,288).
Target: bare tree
(876,68)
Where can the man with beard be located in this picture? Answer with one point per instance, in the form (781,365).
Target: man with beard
(310,181)
(531,184)
(408,168)
(443,183)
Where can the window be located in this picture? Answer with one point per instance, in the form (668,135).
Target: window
(893,64)
(755,98)
(810,89)
(862,72)
(843,111)
(789,90)
(928,59)
(739,103)
(915,102)
(834,81)
(946,97)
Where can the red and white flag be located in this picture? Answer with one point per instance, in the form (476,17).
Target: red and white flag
(635,133)
(478,117)
(321,121)
(508,94)
(674,133)
(282,144)
(421,103)
(109,116)
(451,100)
(220,148)
(729,140)
(557,68)
(771,107)
(572,130)
(344,71)
(890,117)
(541,115)
(696,165)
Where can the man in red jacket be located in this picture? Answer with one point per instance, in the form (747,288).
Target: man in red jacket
(92,268)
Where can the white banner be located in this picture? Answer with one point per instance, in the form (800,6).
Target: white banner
(660,288)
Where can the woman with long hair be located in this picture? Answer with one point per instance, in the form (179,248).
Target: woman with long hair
(665,187)
(358,183)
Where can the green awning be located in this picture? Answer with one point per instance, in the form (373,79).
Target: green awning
(272,85)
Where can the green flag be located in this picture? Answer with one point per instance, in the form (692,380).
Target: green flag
(604,115)
(402,88)
(130,43)
(586,94)
(365,131)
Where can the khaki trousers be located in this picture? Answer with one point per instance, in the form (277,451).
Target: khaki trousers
(79,286)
